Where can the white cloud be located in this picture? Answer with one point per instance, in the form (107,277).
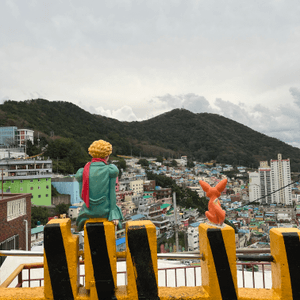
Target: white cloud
(235,58)
(280,121)
(125,113)
(191,101)
(296,95)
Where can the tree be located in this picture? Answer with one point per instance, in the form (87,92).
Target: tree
(174,163)
(160,159)
(62,208)
(121,164)
(185,197)
(190,164)
(67,154)
(54,191)
(144,162)
(31,149)
(39,213)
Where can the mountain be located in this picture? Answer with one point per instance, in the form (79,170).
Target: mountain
(203,136)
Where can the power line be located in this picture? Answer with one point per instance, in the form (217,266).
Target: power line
(263,196)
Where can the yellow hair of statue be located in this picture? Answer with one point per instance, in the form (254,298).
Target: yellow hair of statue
(100,149)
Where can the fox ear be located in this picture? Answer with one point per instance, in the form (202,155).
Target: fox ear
(205,186)
(221,185)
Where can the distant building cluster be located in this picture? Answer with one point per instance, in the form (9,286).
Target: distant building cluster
(12,136)
(13,141)
(271,184)
(142,199)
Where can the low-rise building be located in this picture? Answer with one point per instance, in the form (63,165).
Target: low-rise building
(137,186)
(73,211)
(37,235)
(162,223)
(15,220)
(28,176)
(193,237)
(163,193)
(67,185)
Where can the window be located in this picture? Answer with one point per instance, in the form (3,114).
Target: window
(12,181)
(21,189)
(46,195)
(21,181)
(16,208)
(31,188)
(47,186)
(39,196)
(39,187)
(31,180)
(9,244)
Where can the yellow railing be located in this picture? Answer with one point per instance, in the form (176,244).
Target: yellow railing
(218,265)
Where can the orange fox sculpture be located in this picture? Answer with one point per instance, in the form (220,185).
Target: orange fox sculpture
(215,213)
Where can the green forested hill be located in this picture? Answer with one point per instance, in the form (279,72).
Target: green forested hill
(179,132)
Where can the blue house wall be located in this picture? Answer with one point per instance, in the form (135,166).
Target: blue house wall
(70,188)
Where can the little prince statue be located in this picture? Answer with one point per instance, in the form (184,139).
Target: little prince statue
(97,186)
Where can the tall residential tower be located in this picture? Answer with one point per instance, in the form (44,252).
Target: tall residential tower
(271,183)
(281,177)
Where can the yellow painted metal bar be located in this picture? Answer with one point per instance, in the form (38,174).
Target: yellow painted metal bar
(218,266)
(100,257)
(219,275)
(285,248)
(11,277)
(141,259)
(61,259)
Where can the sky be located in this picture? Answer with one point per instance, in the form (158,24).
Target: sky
(132,60)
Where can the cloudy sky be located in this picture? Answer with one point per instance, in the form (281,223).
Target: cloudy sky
(133,59)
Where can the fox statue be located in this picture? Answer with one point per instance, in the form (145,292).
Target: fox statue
(215,213)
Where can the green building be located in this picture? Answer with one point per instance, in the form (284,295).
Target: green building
(28,176)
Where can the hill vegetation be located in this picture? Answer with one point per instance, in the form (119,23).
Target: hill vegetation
(68,131)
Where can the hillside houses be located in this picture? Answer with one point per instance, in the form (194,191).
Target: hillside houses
(140,198)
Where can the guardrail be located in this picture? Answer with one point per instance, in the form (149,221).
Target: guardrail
(167,276)
(219,268)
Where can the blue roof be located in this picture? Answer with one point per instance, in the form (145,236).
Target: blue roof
(136,217)
(243,231)
(196,224)
(73,206)
(37,229)
(120,241)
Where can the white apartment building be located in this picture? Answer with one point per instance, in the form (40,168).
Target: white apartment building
(254,186)
(12,136)
(137,186)
(265,183)
(281,177)
(23,135)
(193,237)
(12,153)
(272,178)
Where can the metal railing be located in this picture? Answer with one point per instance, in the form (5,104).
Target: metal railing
(250,275)
(167,276)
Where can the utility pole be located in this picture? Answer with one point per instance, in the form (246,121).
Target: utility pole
(26,233)
(175,214)
(2,183)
